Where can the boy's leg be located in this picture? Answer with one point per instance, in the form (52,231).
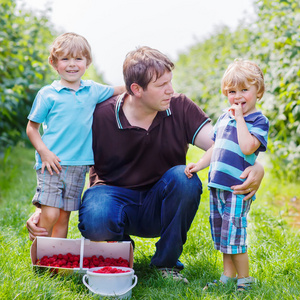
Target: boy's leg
(48,218)
(217,207)
(72,180)
(60,229)
(229,266)
(241,263)
(234,233)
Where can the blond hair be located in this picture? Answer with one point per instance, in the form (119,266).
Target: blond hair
(243,73)
(70,44)
(144,64)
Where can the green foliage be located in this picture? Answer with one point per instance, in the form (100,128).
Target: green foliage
(25,39)
(24,43)
(273,42)
(198,74)
(278,30)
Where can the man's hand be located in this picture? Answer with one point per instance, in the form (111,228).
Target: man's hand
(254,176)
(32,227)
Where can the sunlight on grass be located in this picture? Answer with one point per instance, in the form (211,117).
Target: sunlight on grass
(273,246)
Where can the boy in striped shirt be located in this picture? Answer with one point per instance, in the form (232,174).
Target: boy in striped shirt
(239,135)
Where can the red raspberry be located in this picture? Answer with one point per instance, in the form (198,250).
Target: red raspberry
(65,257)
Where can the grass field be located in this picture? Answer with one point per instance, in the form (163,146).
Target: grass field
(273,246)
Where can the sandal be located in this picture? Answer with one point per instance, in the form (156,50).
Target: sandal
(245,284)
(217,283)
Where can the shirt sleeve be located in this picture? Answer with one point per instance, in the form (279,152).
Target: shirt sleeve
(40,108)
(216,128)
(194,118)
(104,92)
(260,130)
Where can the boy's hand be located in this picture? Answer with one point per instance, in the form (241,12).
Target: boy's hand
(190,169)
(50,161)
(236,110)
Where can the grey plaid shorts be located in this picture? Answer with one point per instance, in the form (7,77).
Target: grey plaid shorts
(61,190)
(228,220)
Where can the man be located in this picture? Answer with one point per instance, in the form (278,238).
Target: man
(138,185)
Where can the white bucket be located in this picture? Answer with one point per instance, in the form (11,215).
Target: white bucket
(118,285)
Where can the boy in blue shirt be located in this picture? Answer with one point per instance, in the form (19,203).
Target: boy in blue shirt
(239,135)
(64,152)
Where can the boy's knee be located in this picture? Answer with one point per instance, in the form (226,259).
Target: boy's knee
(49,215)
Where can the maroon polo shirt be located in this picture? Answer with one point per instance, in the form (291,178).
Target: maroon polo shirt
(132,157)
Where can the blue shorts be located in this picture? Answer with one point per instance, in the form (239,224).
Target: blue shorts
(61,190)
(228,221)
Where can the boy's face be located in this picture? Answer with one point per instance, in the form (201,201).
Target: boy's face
(244,97)
(71,69)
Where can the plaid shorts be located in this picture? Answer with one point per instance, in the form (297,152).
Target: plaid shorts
(228,221)
(61,190)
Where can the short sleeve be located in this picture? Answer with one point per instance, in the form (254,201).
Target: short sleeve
(216,128)
(104,92)
(40,108)
(260,129)
(194,117)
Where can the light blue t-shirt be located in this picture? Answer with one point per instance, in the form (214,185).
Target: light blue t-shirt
(67,118)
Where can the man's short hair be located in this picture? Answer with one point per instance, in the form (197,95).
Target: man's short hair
(70,44)
(242,73)
(144,64)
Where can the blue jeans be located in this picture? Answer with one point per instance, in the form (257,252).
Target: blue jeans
(166,210)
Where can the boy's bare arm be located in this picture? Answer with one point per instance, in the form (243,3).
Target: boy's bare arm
(119,90)
(247,142)
(49,159)
(203,163)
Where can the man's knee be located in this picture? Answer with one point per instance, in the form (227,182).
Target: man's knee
(97,220)
(96,227)
(187,186)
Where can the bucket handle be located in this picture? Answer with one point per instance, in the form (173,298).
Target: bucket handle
(119,294)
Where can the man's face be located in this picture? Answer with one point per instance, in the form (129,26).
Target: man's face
(157,95)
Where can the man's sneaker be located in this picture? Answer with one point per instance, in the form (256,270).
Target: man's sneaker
(178,266)
(172,273)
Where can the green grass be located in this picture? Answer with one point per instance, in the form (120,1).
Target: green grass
(273,246)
